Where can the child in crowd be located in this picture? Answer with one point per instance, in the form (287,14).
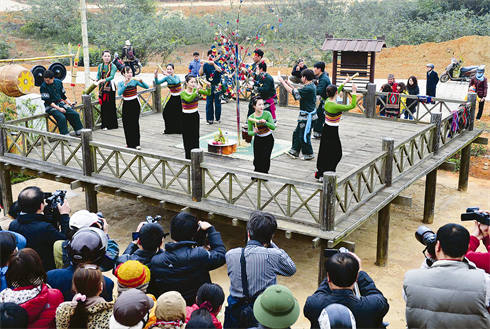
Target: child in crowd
(170,311)
(210,297)
(8,245)
(260,125)
(131,107)
(27,280)
(190,115)
(402,89)
(87,309)
(195,64)
(131,310)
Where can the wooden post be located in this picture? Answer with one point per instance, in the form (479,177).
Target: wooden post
(322,274)
(88,161)
(197,157)
(5,180)
(372,67)
(436,118)
(389,146)
(383,236)
(283,94)
(464,168)
(334,68)
(472,100)
(370,101)
(88,113)
(327,205)
(345,97)
(157,97)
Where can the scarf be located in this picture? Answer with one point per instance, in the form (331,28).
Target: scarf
(479,76)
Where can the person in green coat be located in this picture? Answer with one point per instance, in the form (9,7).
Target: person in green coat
(107,91)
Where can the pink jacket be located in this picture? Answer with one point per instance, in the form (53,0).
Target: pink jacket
(40,303)
(190,309)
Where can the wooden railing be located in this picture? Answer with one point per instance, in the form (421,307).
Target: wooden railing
(313,204)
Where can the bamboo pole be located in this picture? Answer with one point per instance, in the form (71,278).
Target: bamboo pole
(13,60)
(86,60)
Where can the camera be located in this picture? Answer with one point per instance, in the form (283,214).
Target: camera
(100,221)
(330,252)
(427,237)
(473,213)
(150,219)
(51,209)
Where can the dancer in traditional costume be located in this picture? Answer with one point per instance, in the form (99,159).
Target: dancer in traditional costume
(131,107)
(172,110)
(265,88)
(190,115)
(322,83)
(107,91)
(330,151)
(261,125)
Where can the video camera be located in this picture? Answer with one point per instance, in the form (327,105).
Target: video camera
(51,208)
(473,213)
(150,220)
(427,237)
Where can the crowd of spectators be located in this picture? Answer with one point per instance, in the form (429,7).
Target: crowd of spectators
(169,286)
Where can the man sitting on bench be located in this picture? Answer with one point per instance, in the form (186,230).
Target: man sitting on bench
(58,105)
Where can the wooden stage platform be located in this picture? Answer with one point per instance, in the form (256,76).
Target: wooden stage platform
(381,158)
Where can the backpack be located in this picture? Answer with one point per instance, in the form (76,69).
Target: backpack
(130,53)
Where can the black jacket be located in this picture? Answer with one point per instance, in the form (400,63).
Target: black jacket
(40,235)
(133,252)
(368,310)
(432,79)
(184,267)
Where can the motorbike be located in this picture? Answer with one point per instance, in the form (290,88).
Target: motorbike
(456,72)
(120,64)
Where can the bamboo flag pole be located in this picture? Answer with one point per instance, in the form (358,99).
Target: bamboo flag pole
(74,71)
(86,60)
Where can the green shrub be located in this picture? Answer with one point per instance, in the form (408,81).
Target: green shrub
(94,54)
(5,49)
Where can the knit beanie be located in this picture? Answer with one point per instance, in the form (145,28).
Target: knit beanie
(132,274)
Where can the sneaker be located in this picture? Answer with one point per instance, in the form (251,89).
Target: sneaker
(78,133)
(316,175)
(138,147)
(217,121)
(209,122)
(307,157)
(223,101)
(104,129)
(320,180)
(293,154)
(317,135)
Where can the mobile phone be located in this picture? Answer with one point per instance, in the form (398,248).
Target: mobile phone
(135,236)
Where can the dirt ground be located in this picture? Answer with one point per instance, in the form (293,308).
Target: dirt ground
(405,251)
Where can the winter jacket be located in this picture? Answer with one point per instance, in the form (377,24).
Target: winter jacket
(190,309)
(98,315)
(40,303)
(368,310)
(481,86)
(413,91)
(40,235)
(432,79)
(62,279)
(323,83)
(481,259)
(133,252)
(184,267)
(403,101)
(449,294)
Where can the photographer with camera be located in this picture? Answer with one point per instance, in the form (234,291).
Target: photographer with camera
(147,242)
(39,230)
(185,264)
(451,292)
(479,233)
(79,220)
(254,268)
(344,269)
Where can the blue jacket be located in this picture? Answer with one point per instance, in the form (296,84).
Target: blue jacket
(368,310)
(432,79)
(40,235)
(194,67)
(61,279)
(184,267)
(133,252)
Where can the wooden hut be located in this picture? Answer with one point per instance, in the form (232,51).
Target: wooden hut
(353,55)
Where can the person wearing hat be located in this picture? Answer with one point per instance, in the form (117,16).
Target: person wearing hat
(128,55)
(81,219)
(296,72)
(337,316)
(480,82)
(432,80)
(131,310)
(170,311)
(148,244)
(38,229)
(392,82)
(276,308)
(87,246)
